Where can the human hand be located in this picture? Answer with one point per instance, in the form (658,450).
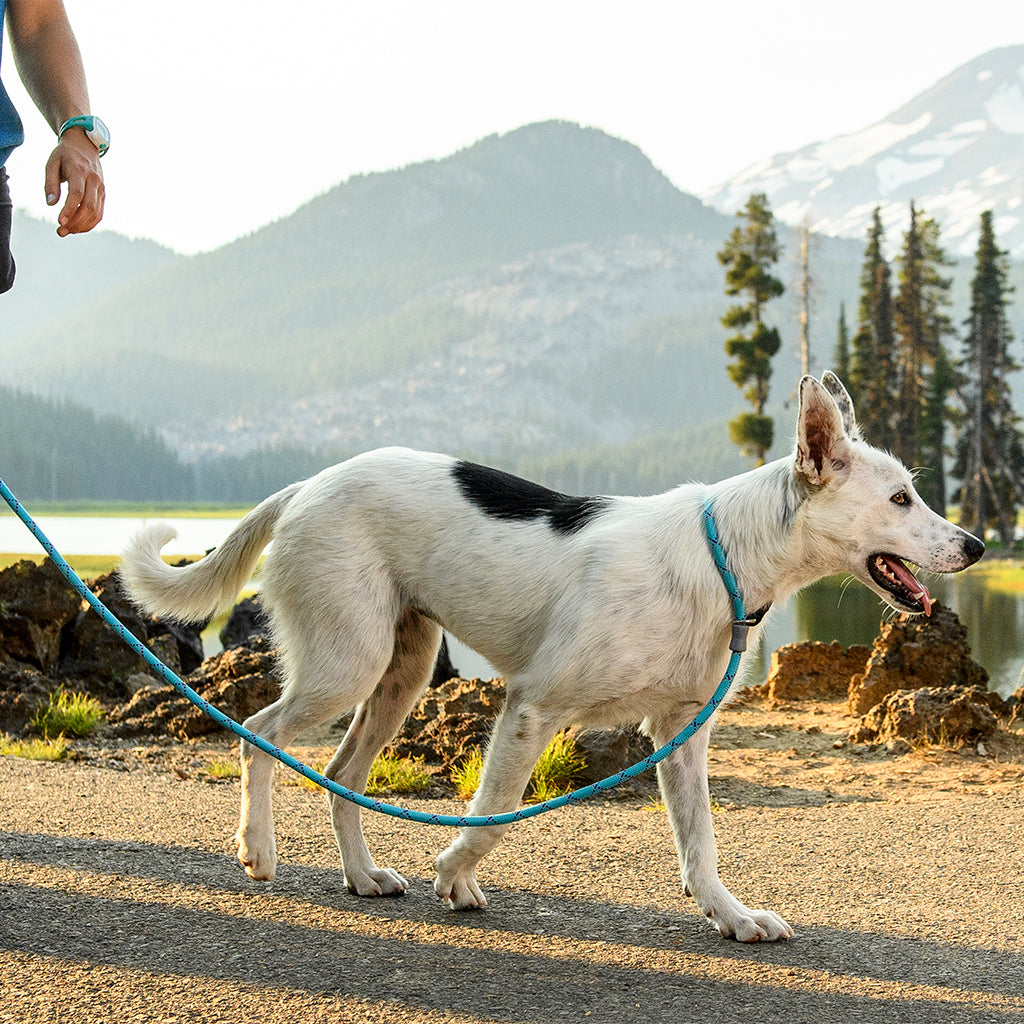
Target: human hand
(76,161)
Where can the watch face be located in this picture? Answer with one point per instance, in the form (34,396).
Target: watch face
(99,135)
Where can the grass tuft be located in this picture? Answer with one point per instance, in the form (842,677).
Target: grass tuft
(554,771)
(389,774)
(35,749)
(465,775)
(393,774)
(552,775)
(75,714)
(224,768)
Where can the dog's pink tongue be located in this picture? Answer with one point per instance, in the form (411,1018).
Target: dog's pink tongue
(911,582)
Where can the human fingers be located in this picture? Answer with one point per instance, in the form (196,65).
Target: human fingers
(52,179)
(78,165)
(83,208)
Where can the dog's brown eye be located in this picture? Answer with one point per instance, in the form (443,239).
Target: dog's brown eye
(900,498)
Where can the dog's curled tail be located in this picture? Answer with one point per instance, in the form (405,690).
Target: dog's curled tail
(194,593)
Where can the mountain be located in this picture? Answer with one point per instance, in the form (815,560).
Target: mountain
(58,278)
(543,293)
(489,300)
(957,149)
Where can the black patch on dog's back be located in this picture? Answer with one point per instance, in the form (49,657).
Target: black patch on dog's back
(505,496)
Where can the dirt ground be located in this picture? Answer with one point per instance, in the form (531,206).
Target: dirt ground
(120,899)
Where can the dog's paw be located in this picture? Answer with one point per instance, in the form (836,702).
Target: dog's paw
(376,882)
(456,880)
(461,893)
(260,862)
(746,925)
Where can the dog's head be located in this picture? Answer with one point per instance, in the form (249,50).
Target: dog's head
(861,504)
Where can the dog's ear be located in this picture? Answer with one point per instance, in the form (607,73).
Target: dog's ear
(834,386)
(823,449)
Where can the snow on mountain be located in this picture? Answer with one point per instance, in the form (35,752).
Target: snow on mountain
(957,149)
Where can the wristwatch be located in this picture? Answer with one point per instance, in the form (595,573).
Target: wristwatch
(95,130)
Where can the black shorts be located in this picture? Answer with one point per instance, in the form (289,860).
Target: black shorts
(6,259)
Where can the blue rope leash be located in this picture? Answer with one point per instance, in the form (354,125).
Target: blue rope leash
(456,821)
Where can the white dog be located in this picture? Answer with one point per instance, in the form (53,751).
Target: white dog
(596,610)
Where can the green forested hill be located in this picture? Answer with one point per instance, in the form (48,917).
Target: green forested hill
(62,451)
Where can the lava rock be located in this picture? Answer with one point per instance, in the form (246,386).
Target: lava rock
(36,604)
(812,670)
(946,716)
(239,682)
(915,652)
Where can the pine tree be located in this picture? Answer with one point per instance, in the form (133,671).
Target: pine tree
(841,355)
(989,452)
(921,324)
(931,481)
(872,375)
(748,256)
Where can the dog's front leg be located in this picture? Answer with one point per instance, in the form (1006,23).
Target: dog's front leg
(683,778)
(520,736)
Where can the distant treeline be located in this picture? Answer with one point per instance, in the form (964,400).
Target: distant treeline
(61,451)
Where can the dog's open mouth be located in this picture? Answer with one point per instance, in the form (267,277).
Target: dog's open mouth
(892,575)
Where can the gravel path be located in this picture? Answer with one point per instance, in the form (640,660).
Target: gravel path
(120,901)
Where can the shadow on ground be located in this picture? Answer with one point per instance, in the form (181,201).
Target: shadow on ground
(191,914)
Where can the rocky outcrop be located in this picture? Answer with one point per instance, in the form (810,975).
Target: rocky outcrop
(458,715)
(36,603)
(808,671)
(946,716)
(915,651)
(49,638)
(246,622)
(1015,707)
(239,682)
(451,719)
(93,654)
(607,751)
(920,684)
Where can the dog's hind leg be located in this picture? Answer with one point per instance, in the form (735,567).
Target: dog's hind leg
(375,722)
(323,681)
(520,735)
(683,778)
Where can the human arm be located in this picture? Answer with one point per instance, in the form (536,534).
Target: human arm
(50,66)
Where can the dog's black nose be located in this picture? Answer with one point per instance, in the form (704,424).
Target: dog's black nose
(973,548)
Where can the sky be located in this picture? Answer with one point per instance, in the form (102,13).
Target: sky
(226,115)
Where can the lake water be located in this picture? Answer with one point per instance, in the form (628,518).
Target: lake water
(827,611)
(106,535)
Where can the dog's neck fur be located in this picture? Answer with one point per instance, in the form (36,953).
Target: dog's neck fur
(759,521)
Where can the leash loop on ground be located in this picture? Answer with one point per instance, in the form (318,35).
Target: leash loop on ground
(405,813)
